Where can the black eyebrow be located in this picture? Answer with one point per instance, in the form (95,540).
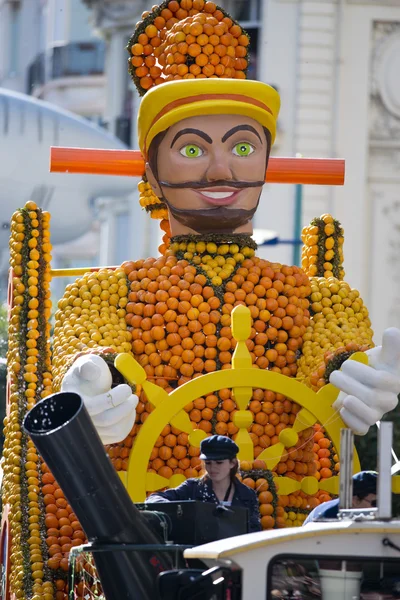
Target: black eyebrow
(195,131)
(240,128)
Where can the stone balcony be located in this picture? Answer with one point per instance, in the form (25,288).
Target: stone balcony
(71,76)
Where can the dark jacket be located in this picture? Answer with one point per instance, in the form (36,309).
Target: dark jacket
(202,490)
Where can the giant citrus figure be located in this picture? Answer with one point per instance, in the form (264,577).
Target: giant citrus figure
(205,133)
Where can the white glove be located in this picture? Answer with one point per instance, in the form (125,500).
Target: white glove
(112,411)
(369,391)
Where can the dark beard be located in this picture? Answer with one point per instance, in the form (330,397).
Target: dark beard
(212,220)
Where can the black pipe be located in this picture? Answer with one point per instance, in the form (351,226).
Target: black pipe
(65,436)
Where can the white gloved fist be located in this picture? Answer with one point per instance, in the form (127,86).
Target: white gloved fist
(369,391)
(112,411)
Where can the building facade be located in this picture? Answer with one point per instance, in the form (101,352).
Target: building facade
(49,50)
(341,98)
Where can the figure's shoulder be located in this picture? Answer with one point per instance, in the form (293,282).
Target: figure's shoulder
(100,283)
(150,269)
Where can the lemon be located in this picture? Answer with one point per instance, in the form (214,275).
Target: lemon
(211,247)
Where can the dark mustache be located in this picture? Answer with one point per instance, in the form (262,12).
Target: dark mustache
(195,185)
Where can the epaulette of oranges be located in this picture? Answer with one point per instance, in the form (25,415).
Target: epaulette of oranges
(186,39)
(322,254)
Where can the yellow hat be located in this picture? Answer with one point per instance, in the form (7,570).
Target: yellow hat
(167,104)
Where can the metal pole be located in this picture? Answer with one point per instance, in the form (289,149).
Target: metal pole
(385,439)
(346,469)
(396,463)
(297,223)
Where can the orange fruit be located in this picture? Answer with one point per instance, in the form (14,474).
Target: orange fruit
(142,71)
(249,482)
(137,61)
(259,464)
(137,49)
(221,428)
(266,509)
(159,22)
(173,6)
(265,498)
(267,522)
(194,50)
(262,485)
(146,82)
(196,29)
(210,7)
(151,31)
(323,442)
(325,473)
(208,70)
(202,39)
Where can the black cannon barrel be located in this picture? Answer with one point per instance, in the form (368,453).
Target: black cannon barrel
(65,436)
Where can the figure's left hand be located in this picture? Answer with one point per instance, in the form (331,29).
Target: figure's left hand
(369,391)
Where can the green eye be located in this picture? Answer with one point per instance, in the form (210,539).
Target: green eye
(191,151)
(243,149)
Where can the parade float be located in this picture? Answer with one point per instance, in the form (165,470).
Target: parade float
(207,338)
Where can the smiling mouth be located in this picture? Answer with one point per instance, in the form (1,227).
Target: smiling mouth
(221,197)
(218,195)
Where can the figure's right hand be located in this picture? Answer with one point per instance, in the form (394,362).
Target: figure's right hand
(112,411)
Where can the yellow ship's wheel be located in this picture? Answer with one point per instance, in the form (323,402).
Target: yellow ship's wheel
(242,378)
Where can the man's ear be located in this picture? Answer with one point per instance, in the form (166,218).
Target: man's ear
(153,181)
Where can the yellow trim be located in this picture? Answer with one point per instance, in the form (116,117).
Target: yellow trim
(286,537)
(396,484)
(77,272)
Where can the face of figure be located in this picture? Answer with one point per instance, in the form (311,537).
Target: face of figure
(219,470)
(210,173)
(367,502)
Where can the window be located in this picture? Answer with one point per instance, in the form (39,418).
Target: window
(309,578)
(243,10)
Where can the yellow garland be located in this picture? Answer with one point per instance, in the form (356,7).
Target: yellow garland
(323,239)
(218,261)
(159,213)
(149,201)
(147,196)
(29,368)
